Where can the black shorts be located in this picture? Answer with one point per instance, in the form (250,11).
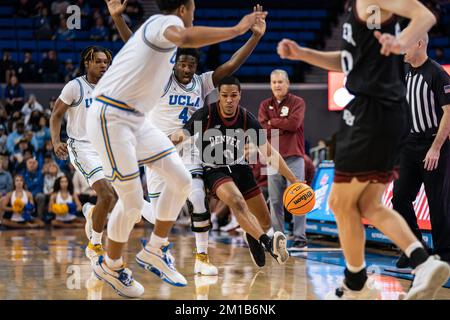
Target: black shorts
(241,175)
(369,140)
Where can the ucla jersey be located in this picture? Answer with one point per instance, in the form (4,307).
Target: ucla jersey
(179,102)
(78,95)
(140,71)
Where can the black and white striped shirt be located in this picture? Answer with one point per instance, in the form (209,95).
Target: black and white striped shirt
(428,90)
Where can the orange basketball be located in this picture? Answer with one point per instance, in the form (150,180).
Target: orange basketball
(299,198)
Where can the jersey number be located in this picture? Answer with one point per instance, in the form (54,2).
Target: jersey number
(184,115)
(346,61)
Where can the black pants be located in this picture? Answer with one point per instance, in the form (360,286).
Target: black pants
(437,189)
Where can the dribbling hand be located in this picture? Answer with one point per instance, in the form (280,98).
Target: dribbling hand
(61,151)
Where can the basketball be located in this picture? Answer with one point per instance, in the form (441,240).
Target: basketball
(299,199)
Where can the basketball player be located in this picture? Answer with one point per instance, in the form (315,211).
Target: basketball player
(372,127)
(75,99)
(184,94)
(124,138)
(223,139)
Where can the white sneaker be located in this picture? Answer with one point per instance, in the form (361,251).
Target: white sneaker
(429,277)
(120,280)
(87,209)
(370,291)
(161,262)
(203,266)
(94,251)
(233,224)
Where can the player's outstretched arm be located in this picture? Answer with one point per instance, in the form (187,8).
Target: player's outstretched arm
(56,117)
(196,37)
(289,49)
(116,8)
(421,22)
(276,161)
(240,56)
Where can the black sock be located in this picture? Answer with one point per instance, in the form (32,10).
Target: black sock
(355,281)
(265,240)
(418,256)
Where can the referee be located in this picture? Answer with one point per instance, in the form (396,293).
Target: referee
(425,157)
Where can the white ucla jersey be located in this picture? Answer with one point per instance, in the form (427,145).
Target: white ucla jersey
(179,102)
(77,93)
(141,69)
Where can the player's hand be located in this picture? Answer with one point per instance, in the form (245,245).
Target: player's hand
(249,20)
(259,28)
(177,137)
(61,151)
(288,49)
(115,7)
(431,159)
(389,43)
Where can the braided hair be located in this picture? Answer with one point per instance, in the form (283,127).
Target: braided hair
(88,54)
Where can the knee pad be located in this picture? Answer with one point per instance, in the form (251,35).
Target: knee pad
(197,197)
(126,213)
(201,222)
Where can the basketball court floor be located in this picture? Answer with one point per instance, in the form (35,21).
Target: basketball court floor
(50,264)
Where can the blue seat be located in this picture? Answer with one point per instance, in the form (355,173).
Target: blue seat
(63,56)
(65,46)
(117,45)
(27,45)
(8,45)
(82,35)
(7,34)
(81,45)
(46,45)
(6,11)
(106,44)
(24,23)
(25,34)
(7,23)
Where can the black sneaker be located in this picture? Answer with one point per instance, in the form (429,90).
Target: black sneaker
(402,262)
(298,245)
(278,248)
(257,251)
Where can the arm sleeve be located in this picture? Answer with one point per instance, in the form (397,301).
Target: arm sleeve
(199,116)
(253,123)
(154,32)
(293,120)
(71,94)
(206,82)
(441,88)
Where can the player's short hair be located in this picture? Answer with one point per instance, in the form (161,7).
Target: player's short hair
(229,81)
(188,52)
(170,5)
(88,54)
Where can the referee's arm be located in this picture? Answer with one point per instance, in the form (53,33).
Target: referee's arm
(441,87)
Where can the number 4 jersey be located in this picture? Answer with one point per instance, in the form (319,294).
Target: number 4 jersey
(179,102)
(77,94)
(368,72)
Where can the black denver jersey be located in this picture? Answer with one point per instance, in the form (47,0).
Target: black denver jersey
(368,72)
(222,140)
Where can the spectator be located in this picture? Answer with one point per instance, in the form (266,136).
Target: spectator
(6,181)
(135,10)
(14,95)
(82,189)
(51,172)
(63,33)
(99,32)
(283,115)
(18,156)
(50,68)
(59,7)
(43,134)
(33,121)
(3,138)
(70,72)
(51,104)
(23,8)
(84,8)
(43,28)
(15,137)
(7,66)
(319,153)
(31,105)
(18,207)
(65,205)
(35,183)
(27,71)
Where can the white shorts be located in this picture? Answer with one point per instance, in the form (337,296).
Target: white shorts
(124,140)
(191,160)
(86,160)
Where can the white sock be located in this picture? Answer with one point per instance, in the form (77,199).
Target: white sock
(201,241)
(114,264)
(354,269)
(157,242)
(96,237)
(413,246)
